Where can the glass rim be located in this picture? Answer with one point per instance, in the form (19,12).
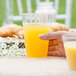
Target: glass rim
(72,35)
(35,18)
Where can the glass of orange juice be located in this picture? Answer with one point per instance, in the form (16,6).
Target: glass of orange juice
(33,25)
(70,49)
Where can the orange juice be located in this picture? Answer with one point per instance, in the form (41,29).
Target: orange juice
(70,49)
(35,47)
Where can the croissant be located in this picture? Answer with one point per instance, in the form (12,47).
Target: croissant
(58,27)
(10,30)
(20,33)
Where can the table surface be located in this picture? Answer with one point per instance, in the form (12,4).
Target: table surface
(22,66)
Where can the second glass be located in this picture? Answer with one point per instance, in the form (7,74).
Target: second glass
(34,25)
(70,49)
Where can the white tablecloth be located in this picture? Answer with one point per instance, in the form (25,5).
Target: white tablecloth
(22,66)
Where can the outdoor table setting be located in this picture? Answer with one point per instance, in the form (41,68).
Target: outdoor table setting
(15,62)
(36,41)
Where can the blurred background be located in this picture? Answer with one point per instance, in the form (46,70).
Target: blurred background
(11,10)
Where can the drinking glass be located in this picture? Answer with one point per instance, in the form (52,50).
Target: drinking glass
(70,49)
(34,25)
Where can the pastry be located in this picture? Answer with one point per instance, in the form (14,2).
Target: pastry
(20,33)
(58,27)
(10,30)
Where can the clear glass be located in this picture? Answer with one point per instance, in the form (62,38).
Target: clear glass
(70,49)
(46,8)
(35,24)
